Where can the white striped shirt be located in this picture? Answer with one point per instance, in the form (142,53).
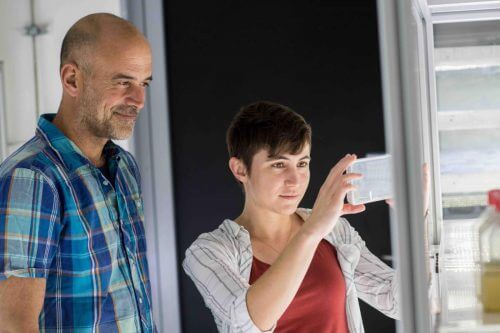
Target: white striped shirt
(219,263)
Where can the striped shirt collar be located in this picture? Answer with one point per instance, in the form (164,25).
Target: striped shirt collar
(237,230)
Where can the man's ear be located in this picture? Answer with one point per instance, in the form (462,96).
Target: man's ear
(238,169)
(71,79)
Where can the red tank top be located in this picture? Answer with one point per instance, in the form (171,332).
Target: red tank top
(319,305)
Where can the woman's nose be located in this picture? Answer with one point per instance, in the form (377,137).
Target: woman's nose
(292,178)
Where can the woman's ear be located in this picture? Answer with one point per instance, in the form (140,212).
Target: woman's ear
(238,169)
(70,79)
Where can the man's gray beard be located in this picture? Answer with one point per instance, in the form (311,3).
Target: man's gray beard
(101,129)
(89,121)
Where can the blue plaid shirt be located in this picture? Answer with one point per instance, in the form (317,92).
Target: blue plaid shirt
(61,219)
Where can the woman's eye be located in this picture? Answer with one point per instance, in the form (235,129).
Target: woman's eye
(303,164)
(278,165)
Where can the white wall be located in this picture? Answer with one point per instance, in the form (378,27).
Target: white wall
(16,54)
(31,64)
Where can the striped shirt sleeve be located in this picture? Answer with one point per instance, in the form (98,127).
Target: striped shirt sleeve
(376,283)
(215,273)
(29,224)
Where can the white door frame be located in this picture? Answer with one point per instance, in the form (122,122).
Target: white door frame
(3,120)
(153,153)
(403,120)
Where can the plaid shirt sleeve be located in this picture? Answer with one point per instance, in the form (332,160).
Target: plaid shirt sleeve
(29,224)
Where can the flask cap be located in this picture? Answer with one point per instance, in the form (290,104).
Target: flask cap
(494,199)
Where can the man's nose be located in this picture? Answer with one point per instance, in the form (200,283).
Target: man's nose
(136,96)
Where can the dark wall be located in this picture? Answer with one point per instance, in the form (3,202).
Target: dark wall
(319,57)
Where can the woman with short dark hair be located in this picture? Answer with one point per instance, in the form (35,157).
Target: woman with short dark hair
(277,267)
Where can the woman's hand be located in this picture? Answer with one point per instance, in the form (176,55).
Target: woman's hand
(329,205)
(427,186)
(426,189)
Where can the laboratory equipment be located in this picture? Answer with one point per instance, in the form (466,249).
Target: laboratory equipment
(376,183)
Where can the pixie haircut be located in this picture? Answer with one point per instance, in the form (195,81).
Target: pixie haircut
(266,125)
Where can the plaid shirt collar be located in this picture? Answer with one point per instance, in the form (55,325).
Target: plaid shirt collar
(68,152)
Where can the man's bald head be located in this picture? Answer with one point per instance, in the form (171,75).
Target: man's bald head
(89,33)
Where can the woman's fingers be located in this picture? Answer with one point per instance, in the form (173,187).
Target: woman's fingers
(352,209)
(351,176)
(343,184)
(390,202)
(329,204)
(426,176)
(339,169)
(427,185)
(426,170)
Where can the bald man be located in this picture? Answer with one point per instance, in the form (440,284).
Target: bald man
(72,240)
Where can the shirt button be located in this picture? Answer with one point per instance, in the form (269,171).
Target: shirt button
(140,300)
(106,183)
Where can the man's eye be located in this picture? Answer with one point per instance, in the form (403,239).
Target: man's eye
(278,165)
(124,83)
(145,84)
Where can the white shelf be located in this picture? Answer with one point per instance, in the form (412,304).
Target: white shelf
(468,120)
(473,326)
(470,182)
(470,171)
(466,57)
